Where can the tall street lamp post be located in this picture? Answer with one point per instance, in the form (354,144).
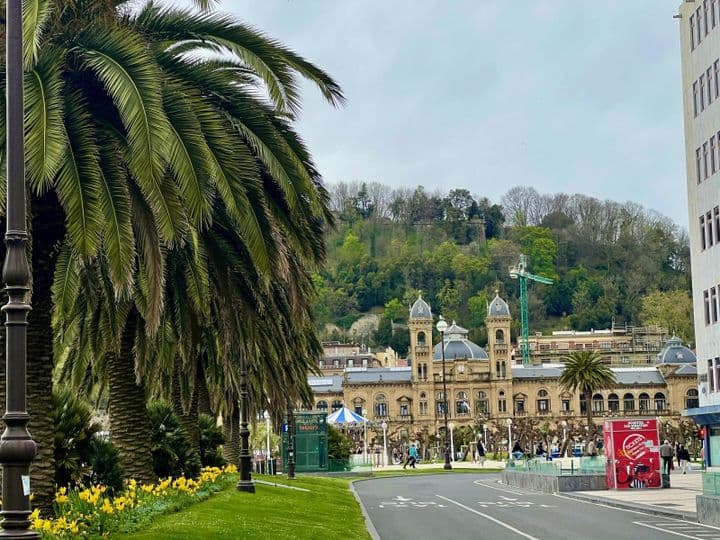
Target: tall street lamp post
(441,327)
(385,454)
(564,426)
(485,436)
(266,415)
(17,449)
(509,425)
(245,482)
(291,442)
(365,457)
(452,443)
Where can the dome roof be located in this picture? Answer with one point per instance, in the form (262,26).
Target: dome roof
(498,307)
(675,352)
(458,346)
(420,309)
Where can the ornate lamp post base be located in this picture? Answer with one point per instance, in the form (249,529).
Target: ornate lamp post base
(447,464)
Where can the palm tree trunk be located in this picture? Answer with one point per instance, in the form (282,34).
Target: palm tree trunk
(47,230)
(129,420)
(204,405)
(588,402)
(188,419)
(231,431)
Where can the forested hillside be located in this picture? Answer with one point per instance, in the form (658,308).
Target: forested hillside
(610,261)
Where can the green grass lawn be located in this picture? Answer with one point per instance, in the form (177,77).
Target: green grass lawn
(328,511)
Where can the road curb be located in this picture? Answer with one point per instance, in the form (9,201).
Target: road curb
(637,507)
(368,522)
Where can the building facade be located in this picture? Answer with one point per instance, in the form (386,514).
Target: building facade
(700,61)
(621,346)
(489,395)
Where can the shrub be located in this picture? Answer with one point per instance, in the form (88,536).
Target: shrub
(104,459)
(74,434)
(172,453)
(211,438)
(339,445)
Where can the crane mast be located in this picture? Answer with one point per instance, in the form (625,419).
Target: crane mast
(520,273)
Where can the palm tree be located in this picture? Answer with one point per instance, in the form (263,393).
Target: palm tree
(132,143)
(586,373)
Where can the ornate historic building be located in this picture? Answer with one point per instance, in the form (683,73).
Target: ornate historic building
(489,392)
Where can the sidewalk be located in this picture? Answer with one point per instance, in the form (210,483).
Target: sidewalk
(489,464)
(678,501)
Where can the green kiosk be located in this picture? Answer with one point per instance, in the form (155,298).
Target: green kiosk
(311,442)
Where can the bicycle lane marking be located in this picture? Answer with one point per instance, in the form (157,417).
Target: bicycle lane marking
(489,518)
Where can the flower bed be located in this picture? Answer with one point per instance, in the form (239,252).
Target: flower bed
(91,512)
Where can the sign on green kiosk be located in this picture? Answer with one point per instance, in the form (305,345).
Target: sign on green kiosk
(311,442)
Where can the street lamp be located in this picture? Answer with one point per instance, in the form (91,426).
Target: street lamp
(485,436)
(291,441)
(245,482)
(266,415)
(441,327)
(509,425)
(385,454)
(17,449)
(452,444)
(364,413)
(564,426)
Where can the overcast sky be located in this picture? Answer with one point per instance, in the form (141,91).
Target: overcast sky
(563,95)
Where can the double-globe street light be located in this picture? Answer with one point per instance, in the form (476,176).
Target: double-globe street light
(441,327)
(17,449)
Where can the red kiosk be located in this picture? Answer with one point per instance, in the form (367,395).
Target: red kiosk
(632,449)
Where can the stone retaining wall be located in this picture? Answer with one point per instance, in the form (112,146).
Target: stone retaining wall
(554,484)
(708,509)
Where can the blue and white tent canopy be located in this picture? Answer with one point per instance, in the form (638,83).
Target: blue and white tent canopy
(346,416)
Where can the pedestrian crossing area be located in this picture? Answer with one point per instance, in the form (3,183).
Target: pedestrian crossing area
(681,529)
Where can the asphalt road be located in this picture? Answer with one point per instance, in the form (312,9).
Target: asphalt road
(463,506)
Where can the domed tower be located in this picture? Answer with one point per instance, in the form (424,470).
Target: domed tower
(498,328)
(420,324)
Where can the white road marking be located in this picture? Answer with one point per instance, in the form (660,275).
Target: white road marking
(490,518)
(675,532)
(507,498)
(479,483)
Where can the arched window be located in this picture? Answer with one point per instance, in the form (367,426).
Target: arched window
(628,402)
(543,402)
(502,404)
(336,405)
(481,403)
(359,406)
(583,404)
(440,403)
(497,368)
(598,403)
(644,402)
(691,399)
(502,369)
(423,403)
(659,401)
(321,406)
(499,336)
(421,338)
(613,403)
(381,408)
(462,404)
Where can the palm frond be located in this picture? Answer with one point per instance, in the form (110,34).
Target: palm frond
(45,136)
(78,180)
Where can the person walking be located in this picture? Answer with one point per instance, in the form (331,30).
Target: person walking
(684,456)
(666,453)
(480,453)
(412,457)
